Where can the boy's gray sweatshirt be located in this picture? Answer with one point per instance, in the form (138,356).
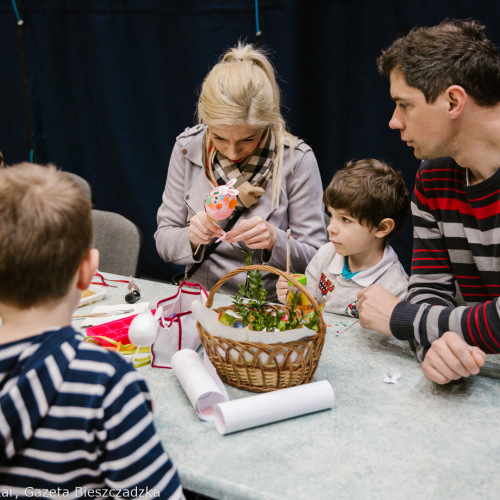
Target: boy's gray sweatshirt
(325,280)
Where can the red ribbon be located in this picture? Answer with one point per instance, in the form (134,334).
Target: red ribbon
(103,280)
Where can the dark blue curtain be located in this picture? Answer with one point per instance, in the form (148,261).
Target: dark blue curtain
(112,82)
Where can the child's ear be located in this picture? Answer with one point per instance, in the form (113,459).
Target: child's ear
(385,227)
(87,269)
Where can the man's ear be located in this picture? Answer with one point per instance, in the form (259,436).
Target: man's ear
(456,97)
(87,269)
(385,227)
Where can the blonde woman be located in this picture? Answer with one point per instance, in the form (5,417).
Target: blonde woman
(241,135)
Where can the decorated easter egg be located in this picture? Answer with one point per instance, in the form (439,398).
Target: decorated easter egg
(143,330)
(226,319)
(221,201)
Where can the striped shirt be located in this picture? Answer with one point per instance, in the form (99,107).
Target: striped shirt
(76,419)
(456,241)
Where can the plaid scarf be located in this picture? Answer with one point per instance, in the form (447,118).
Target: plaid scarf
(252,174)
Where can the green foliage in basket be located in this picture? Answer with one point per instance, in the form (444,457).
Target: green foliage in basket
(259,315)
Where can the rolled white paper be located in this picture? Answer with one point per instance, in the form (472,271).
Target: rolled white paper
(244,413)
(200,386)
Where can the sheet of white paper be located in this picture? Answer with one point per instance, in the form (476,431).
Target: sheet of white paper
(245,413)
(137,308)
(200,386)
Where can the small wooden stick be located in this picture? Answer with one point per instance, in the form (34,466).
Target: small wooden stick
(107,313)
(288,234)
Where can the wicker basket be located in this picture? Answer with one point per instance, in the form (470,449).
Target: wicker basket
(262,367)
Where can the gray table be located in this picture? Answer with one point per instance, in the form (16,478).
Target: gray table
(410,440)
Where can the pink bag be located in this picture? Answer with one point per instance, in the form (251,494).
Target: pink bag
(177,324)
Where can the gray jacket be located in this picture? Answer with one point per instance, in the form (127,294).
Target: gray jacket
(300,209)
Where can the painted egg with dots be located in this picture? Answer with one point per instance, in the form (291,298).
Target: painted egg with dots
(221,201)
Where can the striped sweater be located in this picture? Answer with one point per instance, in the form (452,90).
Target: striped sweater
(456,241)
(76,419)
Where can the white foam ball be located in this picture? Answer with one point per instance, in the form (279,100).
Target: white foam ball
(143,330)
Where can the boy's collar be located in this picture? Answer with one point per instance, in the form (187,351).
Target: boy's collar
(346,272)
(367,276)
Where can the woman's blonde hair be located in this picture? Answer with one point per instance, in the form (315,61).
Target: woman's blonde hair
(242,89)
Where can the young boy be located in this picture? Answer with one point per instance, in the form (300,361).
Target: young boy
(368,202)
(74,418)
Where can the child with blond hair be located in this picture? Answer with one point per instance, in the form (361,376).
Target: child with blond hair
(73,416)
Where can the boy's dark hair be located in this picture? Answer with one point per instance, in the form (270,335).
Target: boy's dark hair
(45,232)
(455,52)
(370,191)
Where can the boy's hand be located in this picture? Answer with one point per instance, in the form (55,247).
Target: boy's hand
(375,306)
(202,230)
(282,289)
(255,233)
(450,358)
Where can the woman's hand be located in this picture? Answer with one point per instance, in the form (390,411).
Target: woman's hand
(282,289)
(255,233)
(202,229)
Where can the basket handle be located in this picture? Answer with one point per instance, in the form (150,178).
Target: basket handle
(269,269)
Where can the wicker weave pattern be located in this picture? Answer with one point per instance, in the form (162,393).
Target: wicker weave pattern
(262,367)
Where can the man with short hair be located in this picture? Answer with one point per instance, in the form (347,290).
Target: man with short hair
(445,81)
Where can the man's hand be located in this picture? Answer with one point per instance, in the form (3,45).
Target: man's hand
(450,358)
(375,306)
(255,233)
(202,229)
